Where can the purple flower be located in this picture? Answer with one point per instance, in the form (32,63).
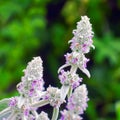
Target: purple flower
(82,40)
(31,92)
(13,102)
(26,112)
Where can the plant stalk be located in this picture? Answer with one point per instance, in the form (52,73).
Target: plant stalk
(55,113)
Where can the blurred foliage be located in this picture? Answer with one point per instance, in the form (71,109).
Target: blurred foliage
(118,110)
(21,23)
(43,27)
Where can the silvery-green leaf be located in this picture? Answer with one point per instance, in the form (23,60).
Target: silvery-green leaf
(4,103)
(5,113)
(84,70)
(5,116)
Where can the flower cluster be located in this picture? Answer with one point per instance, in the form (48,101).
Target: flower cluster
(53,95)
(32,82)
(82,40)
(80,45)
(30,89)
(33,94)
(13,102)
(24,112)
(68,79)
(77,102)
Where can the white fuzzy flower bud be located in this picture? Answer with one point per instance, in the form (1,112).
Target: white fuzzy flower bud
(68,115)
(32,82)
(43,116)
(34,70)
(77,103)
(82,40)
(53,95)
(70,79)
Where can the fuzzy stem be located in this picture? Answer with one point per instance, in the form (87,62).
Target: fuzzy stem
(40,103)
(73,69)
(35,113)
(69,92)
(64,91)
(55,113)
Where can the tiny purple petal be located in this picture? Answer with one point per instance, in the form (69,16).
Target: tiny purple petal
(13,102)
(26,112)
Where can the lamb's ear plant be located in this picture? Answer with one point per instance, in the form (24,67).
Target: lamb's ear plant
(33,95)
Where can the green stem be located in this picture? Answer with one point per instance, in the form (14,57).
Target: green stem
(55,113)
(69,92)
(64,91)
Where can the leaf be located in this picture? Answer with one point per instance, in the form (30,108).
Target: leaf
(5,116)
(4,103)
(4,107)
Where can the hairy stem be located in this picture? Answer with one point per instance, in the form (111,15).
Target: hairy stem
(64,91)
(73,69)
(55,113)
(40,103)
(69,92)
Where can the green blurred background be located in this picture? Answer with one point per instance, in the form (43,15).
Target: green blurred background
(30,28)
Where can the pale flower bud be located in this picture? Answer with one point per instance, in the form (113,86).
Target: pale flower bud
(53,95)
(82,40)
(32,82)
(43,116)
(77,103)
